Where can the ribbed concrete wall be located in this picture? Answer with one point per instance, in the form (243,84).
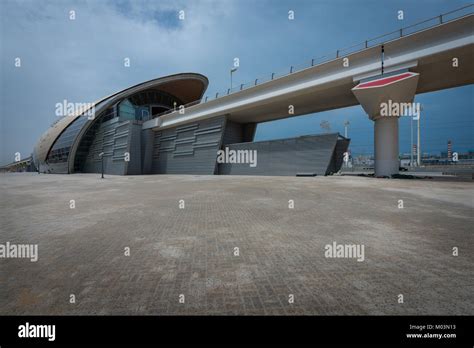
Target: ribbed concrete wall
(147,141)
(233,133)
(307,154)
(114,138)
(134,166)
(188,149)
(238,132)
(341,146)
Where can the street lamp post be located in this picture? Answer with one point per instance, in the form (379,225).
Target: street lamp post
(418,153)
(101,155)
(346,125)
(233,70)
(411,141)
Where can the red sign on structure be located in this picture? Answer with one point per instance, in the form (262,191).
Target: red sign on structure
(385,80)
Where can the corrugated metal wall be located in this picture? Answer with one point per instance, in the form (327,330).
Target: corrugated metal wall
(188,149)
(306,154)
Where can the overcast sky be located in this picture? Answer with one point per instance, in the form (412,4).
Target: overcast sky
(82,60)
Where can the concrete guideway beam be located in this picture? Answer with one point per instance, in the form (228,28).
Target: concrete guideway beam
(325,86)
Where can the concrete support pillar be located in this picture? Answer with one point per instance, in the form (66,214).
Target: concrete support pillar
(386,146)
(378,97)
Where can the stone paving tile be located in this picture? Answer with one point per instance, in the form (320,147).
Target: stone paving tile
(190,251)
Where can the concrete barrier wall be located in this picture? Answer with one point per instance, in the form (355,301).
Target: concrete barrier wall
(188,149)
(114,138)
(306,154)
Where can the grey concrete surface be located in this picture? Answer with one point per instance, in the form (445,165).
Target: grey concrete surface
(190,251)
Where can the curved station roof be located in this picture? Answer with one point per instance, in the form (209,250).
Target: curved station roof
(185,88)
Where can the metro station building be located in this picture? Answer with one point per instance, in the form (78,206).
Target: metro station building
(76,143)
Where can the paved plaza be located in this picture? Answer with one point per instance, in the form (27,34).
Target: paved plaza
(210,245)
